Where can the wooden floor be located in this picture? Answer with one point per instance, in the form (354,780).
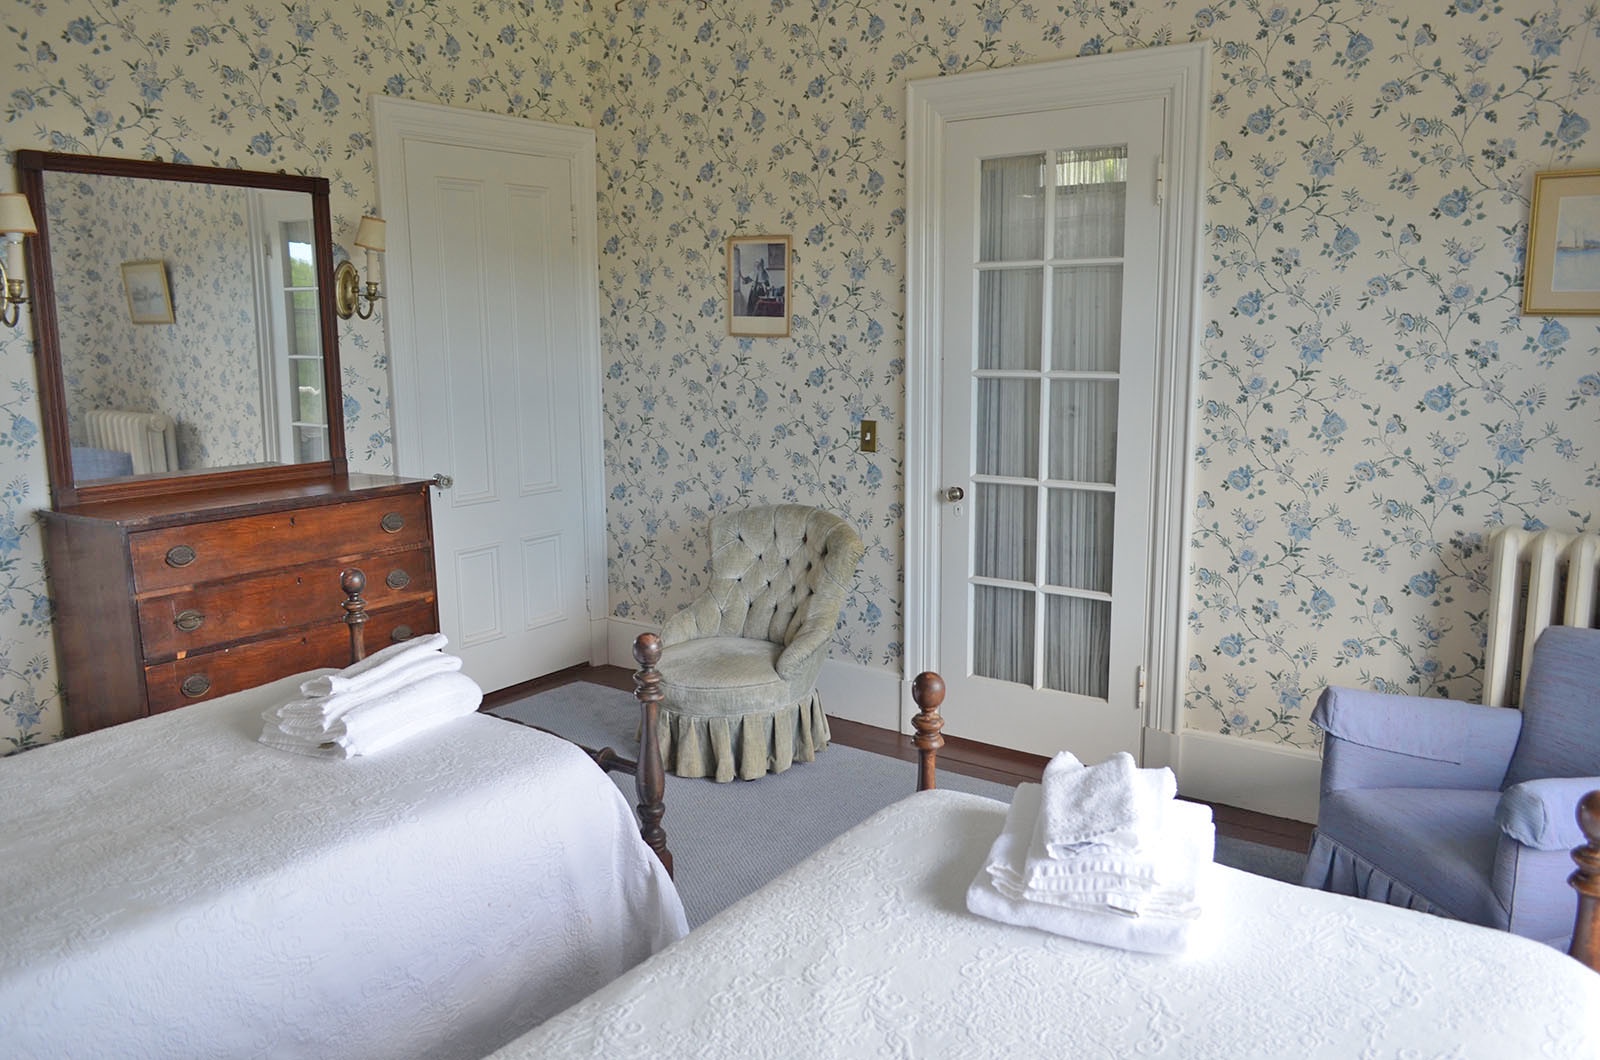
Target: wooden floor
(998,764)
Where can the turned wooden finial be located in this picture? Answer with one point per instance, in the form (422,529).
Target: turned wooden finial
(1586,881)
(353,581)
(650,779)
(928,693)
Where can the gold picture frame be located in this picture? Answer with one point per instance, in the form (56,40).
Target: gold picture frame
(1561,270)
(760,286)
(149,297)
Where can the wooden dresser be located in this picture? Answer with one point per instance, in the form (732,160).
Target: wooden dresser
(170,600)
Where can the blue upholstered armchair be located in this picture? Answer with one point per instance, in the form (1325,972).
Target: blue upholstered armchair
(1459,809)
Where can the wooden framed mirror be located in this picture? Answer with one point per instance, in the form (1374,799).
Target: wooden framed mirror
(185,326)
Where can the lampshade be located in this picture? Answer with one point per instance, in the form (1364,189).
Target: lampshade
(369,234)
(16,217)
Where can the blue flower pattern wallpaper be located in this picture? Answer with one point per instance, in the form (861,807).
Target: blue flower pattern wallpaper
(1370,402)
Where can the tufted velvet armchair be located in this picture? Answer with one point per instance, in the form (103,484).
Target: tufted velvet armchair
(1461,809)
(739,665)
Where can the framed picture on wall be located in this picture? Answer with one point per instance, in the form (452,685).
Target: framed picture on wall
(759,299)
(149,297)
(1561,273)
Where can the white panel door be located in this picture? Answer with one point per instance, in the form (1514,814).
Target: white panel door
(495,277)
(1049,335)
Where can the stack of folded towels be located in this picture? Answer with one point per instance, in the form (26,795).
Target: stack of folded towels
(385,698)
(1102,853)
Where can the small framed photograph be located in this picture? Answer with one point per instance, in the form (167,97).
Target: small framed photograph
(1561,272)
(149,297)
(758,286)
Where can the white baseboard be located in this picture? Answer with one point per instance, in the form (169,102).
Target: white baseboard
(1249,774)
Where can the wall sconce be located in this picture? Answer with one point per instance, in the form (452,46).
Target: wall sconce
(347,293)
(16,221)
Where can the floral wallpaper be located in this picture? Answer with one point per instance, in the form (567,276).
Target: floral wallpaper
(1370,401)
(203,368)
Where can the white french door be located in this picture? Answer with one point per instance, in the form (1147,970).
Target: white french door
(1049,286)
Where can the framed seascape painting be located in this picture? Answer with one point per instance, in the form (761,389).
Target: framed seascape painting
(149,298)
(1561,273)
(758,286)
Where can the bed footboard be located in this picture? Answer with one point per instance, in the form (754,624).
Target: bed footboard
(650,777)
(1586,881)
(927,691)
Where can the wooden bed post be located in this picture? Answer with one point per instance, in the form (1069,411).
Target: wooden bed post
(352,581)
(650,778)
(928,693)
(1586,881)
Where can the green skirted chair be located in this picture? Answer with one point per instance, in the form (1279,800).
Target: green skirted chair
(739,665)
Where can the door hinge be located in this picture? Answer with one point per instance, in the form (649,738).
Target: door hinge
(572,212)
(1142,697)
(1161,178)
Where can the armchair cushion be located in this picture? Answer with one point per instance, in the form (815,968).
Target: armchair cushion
(1560,702)
(1436,848)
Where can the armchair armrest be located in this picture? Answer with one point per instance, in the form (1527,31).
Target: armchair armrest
(1543,814)
(1380,740)
(700,619)
(798,654)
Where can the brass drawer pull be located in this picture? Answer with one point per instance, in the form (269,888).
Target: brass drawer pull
(195,685)
(401,633)
(180,556)
(397,579)
(189,621)
(392,523)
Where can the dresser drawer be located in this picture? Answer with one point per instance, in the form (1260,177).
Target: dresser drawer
(207,675)
(202,552)
(194,619)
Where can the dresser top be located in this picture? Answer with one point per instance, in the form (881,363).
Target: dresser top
(228,502)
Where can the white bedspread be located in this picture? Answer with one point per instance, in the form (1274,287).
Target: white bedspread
(866,950)
(173,888)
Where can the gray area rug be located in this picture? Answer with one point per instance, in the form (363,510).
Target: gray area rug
(729,839)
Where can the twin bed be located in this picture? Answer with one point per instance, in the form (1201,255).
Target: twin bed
(175,888)
(172,887)
(867,949)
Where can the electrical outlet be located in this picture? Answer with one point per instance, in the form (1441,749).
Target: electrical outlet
(869,436)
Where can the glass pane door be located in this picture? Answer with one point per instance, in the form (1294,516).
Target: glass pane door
(1045,391)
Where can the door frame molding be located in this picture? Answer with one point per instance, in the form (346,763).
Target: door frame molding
(1178,75)
(399,122)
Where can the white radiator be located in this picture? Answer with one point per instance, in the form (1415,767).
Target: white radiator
(149,437)
(1536,579)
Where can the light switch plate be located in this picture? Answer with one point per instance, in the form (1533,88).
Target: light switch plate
(869,436)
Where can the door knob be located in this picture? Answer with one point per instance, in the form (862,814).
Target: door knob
(443,481)
(954,493)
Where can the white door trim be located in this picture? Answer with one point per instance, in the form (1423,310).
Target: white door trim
(1179,75)
(398,121)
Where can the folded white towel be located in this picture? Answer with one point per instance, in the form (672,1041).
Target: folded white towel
(1105,806)
(1152,921)
(386,720)
(315,716)
(1146,934)
(373,667)
(1156,878)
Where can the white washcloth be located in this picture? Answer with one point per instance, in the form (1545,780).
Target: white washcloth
(386,720)
(1158,878)
(315,716)
(1146,934)
(1126,851)
(1105,807)
(373,667)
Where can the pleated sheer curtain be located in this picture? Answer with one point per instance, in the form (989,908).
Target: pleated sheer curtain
(1042,388)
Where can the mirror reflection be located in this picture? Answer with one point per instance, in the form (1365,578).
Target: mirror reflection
(189,325)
